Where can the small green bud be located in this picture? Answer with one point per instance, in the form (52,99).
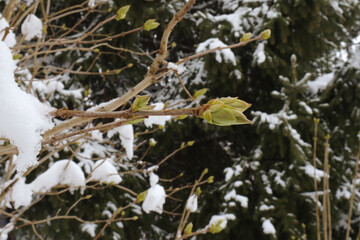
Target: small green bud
(118,211)
(88,196)
(210,179)
(17,56)
(188,228)
(141,196)
(121,13)
(173,44)
(96,50)
(150,24)
(181,117)
(161,127)
(316,120)
(181,174)
(122,213)
(206,170)
(190,143)
(200,92)
(152,142)
(135,218)
(182,145)
(198,191)
(135,121)
(266,34)
(246,37)
(130,65)
(63,27)
(303,225)
(118,71)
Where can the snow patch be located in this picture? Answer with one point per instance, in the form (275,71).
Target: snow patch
(31,27)
(104,171)
(320,83)
(157,120)
(24,117)
(225,54)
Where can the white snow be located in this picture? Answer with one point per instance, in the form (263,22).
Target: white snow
(105,172)
(306,107)
(265,207)
(259,54)
(31,27)
(222,219)
(126,134)
(63,172)
(225,54)
(309,170)
(278,176)
(179,68)
(20,193)
(154,179)
(155,197)
(23,117)
(229,172)
(157,120)
(192,203)
(89,228)
(10,39)
(320,83)
(238,198)
(268,227)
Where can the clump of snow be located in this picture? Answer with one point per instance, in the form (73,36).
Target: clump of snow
(309,170)
(259,54)
(155,197)
(306,108)
(265,207)
(179,68)
(225,54)
(104,171)
(154,179)
(89,228)
(268,227)
(92,3)
(23,117)
(157,120)
(241,199)
(10,39)
(278,176)
(221,220)
(31,27)
(320,83)
(192,203)
(20,193)
(230,172)
(126,134)
(63,172)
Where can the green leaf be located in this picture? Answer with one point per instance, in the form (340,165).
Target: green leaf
(121,13)
(200,92)
(150,24)
(140,102)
